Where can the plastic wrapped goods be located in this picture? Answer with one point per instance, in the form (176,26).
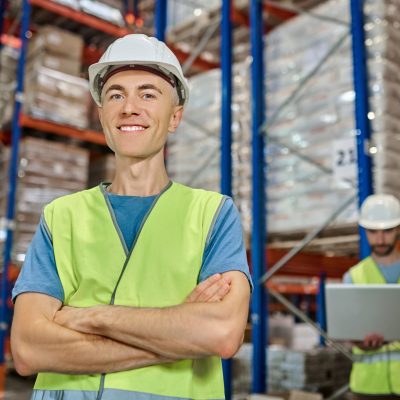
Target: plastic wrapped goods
(53,40)
(58,97)
(188,12)
(8,84)
(194,150)
(103,10)
(310,143)
(47,170)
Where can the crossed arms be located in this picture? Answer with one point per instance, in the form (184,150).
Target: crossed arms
(48,337)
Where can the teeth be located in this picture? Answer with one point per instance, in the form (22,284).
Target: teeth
(132,128)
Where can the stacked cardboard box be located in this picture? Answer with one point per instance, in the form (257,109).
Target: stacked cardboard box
(53,88)
(317,370)
(8,73)
(47,170)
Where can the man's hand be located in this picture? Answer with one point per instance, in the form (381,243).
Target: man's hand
(75,318)
(214,288)
(372,341)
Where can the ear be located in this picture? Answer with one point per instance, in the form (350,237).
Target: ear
(175,119)
(100,113)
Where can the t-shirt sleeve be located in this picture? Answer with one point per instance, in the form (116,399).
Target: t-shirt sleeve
(39,272)
(225,250)
(347,278)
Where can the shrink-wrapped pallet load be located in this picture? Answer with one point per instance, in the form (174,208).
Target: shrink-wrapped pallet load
(315,131)
(53,88)
(47,170)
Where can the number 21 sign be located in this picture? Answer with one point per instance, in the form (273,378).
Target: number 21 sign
(344,159)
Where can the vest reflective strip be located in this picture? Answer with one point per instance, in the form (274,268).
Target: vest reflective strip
(377,357)
(108,394)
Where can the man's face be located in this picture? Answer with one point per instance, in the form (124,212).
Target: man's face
(137,113)
(382,242)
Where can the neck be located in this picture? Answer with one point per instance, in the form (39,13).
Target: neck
(139,177)
(390,259)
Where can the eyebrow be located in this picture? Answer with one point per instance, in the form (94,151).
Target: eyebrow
(145,86)
(115,87)
(150,86)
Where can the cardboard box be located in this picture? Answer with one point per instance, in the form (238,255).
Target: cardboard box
(54,61)
(300,395)
(56,41)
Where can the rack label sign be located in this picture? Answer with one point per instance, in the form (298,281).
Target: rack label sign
(344,160)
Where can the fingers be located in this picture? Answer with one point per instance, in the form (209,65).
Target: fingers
(216,292)
(373,341)
(215,288)
(221,289)
(201,287)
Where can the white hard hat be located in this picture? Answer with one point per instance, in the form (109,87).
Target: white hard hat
(380,211)
(138,51)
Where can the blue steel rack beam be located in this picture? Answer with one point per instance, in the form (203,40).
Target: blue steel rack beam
(226,135)
(361,111)
(161,19)
(13,177)
(258,239)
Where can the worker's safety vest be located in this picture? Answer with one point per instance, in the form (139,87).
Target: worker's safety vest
(374,372)
(95,267)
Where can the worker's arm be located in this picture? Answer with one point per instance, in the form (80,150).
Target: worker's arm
(39,344)
(188,330)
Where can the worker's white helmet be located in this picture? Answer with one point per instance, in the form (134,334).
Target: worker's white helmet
(380,211)
(138,51)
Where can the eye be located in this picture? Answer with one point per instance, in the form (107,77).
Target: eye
(116,96)
(149,96)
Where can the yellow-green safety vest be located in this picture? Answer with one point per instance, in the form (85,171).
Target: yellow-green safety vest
(160,270)
(374,372)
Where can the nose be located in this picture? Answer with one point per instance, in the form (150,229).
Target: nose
(380,237)
(130,106)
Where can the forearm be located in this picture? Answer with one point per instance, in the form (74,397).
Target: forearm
(188,330)
(52,348)
(39,344)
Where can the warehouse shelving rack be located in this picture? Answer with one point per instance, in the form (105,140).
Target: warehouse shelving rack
(259,317)
(259,128)
(22,121)
(257,29)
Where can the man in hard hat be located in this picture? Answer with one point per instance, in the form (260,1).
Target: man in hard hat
(134,289)
(376,369)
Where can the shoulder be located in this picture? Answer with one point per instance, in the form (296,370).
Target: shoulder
(195,193)
(195,201)
(70,201)
(360,273)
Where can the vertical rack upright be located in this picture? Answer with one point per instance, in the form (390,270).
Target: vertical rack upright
(363,162)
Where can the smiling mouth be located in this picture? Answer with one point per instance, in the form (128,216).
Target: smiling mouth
(132,128)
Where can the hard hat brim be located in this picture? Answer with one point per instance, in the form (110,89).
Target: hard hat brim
(374,225)
(96,69)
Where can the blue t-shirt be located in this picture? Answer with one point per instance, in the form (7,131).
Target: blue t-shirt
(224,252)
(390,272)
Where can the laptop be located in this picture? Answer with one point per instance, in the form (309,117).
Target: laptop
(353,311)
